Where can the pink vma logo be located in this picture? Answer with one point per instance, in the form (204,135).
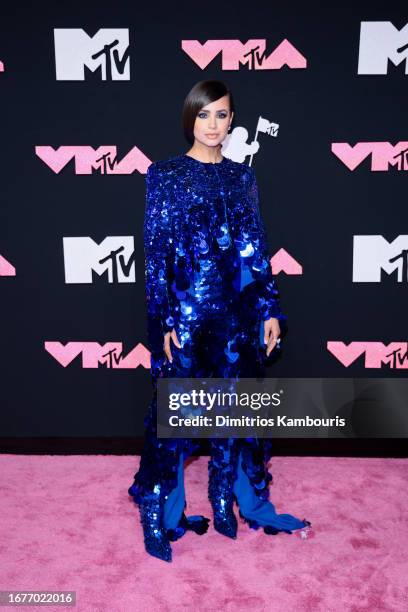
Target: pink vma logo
(93,354)
(104,159)
(283,262)
(6,268)
(395,354)
(383,154)
(234,54)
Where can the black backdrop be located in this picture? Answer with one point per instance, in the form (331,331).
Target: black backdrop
(312,203)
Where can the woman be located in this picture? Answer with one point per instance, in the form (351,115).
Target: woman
(210,294)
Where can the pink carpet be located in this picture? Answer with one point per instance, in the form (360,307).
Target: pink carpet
(67,523)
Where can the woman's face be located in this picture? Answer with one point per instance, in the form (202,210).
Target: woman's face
(212,122)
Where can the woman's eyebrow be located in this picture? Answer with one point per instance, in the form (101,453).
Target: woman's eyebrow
(218,111)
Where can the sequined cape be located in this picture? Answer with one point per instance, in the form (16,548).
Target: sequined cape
(208,275)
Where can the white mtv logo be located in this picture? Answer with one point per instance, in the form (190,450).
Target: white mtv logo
(380,41)
(115,255)
(107,51)
(371,254)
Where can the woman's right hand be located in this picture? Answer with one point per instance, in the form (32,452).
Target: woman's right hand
(166,345)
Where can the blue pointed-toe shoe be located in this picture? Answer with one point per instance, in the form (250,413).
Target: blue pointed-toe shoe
(155,536)
(221,496)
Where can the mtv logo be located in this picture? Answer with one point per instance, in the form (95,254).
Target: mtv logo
(113,257)
(380,43)
(374,254)
(107,52)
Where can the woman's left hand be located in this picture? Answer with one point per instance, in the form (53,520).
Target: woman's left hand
(271,334)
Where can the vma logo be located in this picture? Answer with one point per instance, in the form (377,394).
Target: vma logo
(376,354)
(383,155)
(282,261)
(113,258)
(380,44)
(106,53)
(109,355)
(6,268)
(104,159)
(252,54)
(373,254)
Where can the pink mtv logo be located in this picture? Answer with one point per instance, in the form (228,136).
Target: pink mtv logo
(6,269)
(376,353)
(283,262)
(235,53)
(93,354)
(1,66)
(104,159)
(383,154)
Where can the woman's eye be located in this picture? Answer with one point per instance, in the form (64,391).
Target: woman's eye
(204,115)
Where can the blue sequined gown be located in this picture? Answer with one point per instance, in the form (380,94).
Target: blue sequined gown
(208,275)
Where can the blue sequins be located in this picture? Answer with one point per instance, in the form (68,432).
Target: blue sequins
(208,276)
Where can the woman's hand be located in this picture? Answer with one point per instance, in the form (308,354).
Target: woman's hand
(166,345)
(271,334)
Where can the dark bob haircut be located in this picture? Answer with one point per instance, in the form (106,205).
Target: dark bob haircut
(203,93)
